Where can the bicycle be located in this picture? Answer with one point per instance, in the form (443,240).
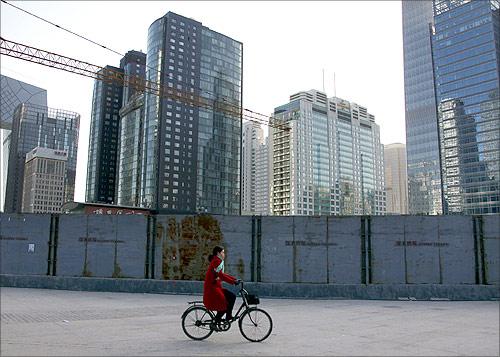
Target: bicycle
(255,324)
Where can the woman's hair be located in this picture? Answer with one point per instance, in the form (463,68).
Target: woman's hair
(217,249)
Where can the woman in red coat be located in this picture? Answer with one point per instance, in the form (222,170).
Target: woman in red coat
(215,297)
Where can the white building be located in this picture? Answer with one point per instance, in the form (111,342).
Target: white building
(329,162)
(396,182)
(255,171)
(44,180)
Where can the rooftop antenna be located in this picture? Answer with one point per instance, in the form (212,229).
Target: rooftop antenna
(323,80)
(334,86)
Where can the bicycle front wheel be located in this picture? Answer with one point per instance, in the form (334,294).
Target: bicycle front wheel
(196,323)
(255,324)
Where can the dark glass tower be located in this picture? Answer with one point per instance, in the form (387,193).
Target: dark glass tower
(422,144)
(103,140)
(466,54)
(191,156)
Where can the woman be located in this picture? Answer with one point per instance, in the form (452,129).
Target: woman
(215,297)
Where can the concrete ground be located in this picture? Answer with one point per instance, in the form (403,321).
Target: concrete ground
(58,322)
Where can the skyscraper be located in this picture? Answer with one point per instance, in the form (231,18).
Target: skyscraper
(44,181)
(466,54)
(130,151)
(255,171)
(262,178)
(131,132)
(13,92)
(396,184)
(37,126)
(330,162)
(105,132)
(103,140)
(191,156)
(424,177)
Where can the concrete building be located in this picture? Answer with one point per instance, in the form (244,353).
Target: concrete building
(466,54)
(191,157)
(38,126)
(105,135)
(396,184)
(262,178)
(44,180)
(255,171)
(422,144)
(329,162)
(12,93)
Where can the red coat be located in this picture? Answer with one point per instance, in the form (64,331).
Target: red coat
(213,295)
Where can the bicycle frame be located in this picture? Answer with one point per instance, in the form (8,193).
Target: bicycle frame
(244,305)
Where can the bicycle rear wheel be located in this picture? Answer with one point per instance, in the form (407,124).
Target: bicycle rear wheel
(196,323)
(255,324)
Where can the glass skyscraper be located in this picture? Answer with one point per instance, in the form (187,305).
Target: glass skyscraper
(329,162)
(40,126)
(466,54)
(105,161)
(103,140)
(422,143)
(191,156)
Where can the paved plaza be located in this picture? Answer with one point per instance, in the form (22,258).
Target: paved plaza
(46,322)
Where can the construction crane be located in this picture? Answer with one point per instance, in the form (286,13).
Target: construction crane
(50,59)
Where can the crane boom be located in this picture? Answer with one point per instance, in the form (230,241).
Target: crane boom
(54,60)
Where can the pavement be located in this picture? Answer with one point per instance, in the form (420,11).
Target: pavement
(44,322)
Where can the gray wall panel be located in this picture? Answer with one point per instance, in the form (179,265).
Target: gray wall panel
(422,249)
(491,234)
(70,249)
(344,252)
(237,233)
(131,255)
(277,249)
(457,253)
(388,249)
(17,233)
(311,253)
(101,253)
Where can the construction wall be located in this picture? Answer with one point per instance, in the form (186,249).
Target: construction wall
(324,250)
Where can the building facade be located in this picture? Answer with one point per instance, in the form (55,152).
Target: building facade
(329,162)
(39,126)
(466,54)
(103,140)
(422,143)
(255,171)
(44,181)
(130,154)
(191,156)
(262,178)
(131,132)
(396,182)
(13,92)
(103,183)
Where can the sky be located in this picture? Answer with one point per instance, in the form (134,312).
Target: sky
(288,46)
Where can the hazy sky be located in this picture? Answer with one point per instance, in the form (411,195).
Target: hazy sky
(286,47)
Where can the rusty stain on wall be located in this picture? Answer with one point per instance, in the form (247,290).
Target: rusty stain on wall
(187,245)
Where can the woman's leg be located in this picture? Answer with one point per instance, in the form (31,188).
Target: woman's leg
(219,315)
(230,299)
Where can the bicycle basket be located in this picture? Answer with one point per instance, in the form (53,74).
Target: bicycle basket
(253,299)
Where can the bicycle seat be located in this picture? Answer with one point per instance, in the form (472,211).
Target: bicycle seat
(195,302)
